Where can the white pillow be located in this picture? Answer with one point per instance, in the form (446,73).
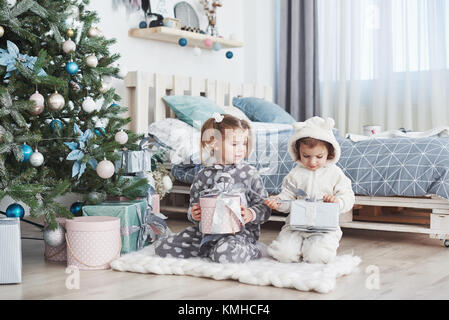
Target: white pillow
(181,137)
(236,112)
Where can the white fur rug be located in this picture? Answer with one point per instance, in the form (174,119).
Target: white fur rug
(263,272)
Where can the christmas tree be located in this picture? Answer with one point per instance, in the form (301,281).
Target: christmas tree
(60,121)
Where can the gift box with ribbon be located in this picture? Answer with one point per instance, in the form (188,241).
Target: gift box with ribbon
(10,251)
(220,207)
(314,216)
(138,226)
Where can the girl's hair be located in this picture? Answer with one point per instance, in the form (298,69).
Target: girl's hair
(213,130)
(311,142)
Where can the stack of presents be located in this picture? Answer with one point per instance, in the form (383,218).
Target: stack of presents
(103,232)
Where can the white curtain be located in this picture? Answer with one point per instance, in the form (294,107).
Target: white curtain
(384,62)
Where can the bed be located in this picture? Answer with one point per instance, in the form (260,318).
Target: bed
(397,172)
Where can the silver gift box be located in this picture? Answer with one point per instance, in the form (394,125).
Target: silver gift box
(10,251)
(134,161)
(314,216)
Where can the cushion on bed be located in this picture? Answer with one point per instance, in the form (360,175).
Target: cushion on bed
(233,111)
(260,110)
(193,110)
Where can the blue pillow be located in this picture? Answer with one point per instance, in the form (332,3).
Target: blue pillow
(193,110)
(260,110)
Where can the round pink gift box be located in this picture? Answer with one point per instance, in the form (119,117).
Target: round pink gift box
(59,253)
(231,224)
(92,242)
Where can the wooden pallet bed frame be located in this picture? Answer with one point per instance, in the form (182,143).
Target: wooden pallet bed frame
(145,92)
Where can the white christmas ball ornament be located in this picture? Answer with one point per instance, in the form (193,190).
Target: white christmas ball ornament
(123,71)
(56,102)
(11,3)
(105,169)
(93,32)
(92,61)
(36,159)
(104,87)
(54,238)
(2,31)
(38,103)
(68,46)
(89,105)
(121,137)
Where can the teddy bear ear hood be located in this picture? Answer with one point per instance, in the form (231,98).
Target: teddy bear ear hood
(316,128)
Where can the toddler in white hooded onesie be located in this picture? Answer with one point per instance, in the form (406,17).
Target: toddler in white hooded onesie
(316,152)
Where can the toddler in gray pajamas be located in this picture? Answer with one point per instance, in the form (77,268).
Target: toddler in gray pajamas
(229,144)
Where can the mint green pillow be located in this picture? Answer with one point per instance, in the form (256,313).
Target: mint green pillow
(193,110)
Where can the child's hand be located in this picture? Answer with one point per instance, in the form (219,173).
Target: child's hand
(330,198)
(272,202)
(247,214)
(196,212)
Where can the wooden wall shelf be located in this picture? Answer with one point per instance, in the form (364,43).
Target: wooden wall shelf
(173,35)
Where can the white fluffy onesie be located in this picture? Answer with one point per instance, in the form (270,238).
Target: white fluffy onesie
(291,245)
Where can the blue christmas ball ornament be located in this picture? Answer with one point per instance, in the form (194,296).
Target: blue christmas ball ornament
(27,152)
(142,25)
(182,42)
(56,124)
(217,46)
(77,209)
(15,210)
(71,68)
(229,55)
(100,131)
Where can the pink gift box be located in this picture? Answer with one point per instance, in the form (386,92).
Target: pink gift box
(59,253)
(231,224)
(93,242)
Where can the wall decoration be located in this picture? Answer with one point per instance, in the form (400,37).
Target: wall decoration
(187,15)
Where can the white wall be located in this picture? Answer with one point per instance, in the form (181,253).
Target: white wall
(251,21)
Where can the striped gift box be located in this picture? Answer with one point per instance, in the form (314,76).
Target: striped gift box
(10,251)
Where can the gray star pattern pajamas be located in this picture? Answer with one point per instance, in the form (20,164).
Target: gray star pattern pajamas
(229,248)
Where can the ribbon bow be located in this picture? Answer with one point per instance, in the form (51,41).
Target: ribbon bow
(218,117)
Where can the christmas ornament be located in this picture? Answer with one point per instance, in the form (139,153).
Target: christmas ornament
(229,55)
(78,149)
(92,61)
(70,32)
(100,131)
(104,87)
(94,198)
(11,56)
(77,209)
(217,46)
(208,43)
(38,103)
(56,101)
(89,105)
(105,169)
(123,71)
(182,42)
(27,151)
(197,51)
(11,3)
(15,210)
(36,159)
(75,86)
(56,125)
(68,46)
(2,31)
(54,238)
(121,137)
(143,25)
(93,32)
(71,68)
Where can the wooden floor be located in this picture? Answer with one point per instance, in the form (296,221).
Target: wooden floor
(411,266)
